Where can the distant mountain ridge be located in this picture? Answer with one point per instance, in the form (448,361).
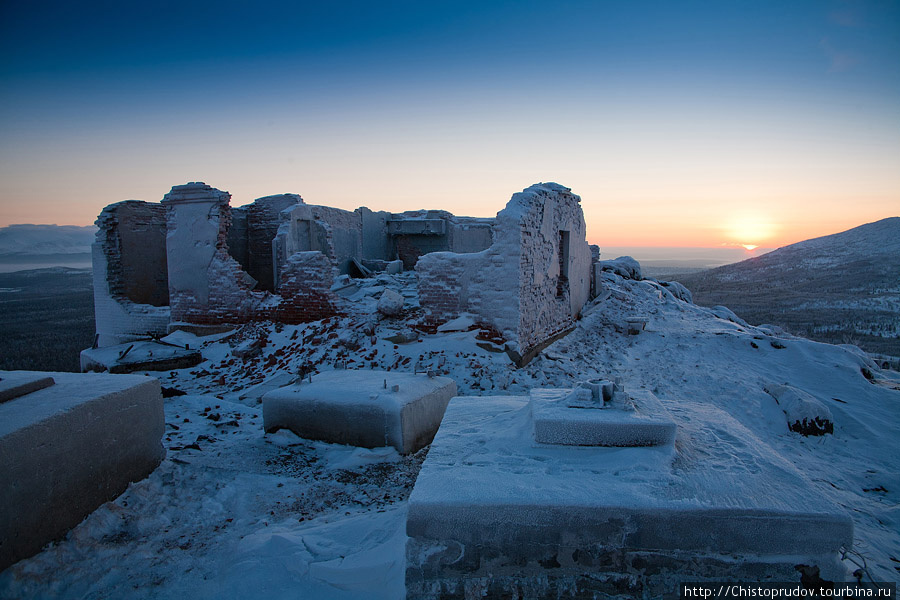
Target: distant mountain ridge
(40,240)
(839,288)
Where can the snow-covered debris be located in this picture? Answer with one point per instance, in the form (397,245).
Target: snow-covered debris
(390,303)
(462,323)
(805,414)
(624,266)
(248,348)
(234,513)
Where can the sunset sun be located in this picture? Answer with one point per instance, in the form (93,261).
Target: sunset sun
(748,231)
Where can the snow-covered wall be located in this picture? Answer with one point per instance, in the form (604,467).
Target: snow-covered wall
(483,284)
(416,233)
(334,232)
(206,285)
(129,270)
(118,319)
(555,260)
(376,244)
(530,284)
(264,217)
(305,289)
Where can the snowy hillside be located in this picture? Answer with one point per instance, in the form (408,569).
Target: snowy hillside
(234,512)
(46,239)
(838,288)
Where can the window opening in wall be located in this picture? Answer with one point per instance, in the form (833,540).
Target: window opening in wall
(562,284)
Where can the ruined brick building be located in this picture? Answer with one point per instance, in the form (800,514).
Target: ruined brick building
(194,262)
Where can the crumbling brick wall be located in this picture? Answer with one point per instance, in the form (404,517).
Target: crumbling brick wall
(133,236)
(455,234)
(553,287)
(130,275)
(206,285)
(334,232)
(305,289)
(441,279)
(264,216)
(515,284)
(237,237)
(528,285)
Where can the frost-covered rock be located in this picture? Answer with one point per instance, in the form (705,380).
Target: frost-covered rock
(390,303)
(725,313)
(624,266)
(678,290)
(770,329)
(805,414)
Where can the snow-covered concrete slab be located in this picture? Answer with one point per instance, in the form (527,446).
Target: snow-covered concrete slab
(495,513)
(68,448)
(18,383)
(362,408)
(139,356)
(634,419)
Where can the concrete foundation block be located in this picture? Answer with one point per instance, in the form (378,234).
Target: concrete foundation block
(362,408)
(68,448)
(634,419)
(495,514)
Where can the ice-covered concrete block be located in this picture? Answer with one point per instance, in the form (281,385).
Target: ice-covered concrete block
(362,408)
(138,356)
(68,448)
(495,514)
(634,419)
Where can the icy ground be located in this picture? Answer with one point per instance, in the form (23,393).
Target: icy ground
(233,512)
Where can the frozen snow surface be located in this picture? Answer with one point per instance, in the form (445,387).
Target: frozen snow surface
(235,512)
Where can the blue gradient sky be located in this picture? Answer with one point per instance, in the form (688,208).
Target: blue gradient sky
(679,123)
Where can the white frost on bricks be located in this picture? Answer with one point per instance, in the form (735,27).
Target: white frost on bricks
(362,408)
